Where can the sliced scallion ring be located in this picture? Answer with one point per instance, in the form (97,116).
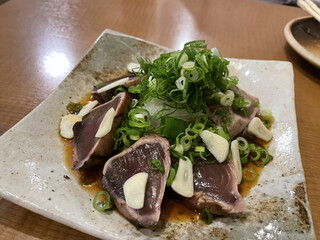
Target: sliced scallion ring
(247,102)
(188,65)
(186,143)
(257,156)
(191,134)
(243,143)
(249,174)
(180,83)
(134,137)
(104,205)
(264,158)
(184,58)
(194,75)
(266,114)
(227,99)
(198,127)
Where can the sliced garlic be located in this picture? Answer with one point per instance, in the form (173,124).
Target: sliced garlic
(217,145)
(113,85)
(87,108)
(106,124)
(183,181)
(66,125)
(257,128)
(133,67)
(236,159)
(134,190)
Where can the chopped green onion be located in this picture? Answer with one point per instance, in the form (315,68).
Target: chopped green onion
(74,108)
(134,103)
(222,133)
(209,162)
(120,89)
(249,174)
(198,128)
(267,123)
(206,216)
(205,60)
(199,149)
(190,133)
(267,117)
(188,65)
(156,165)
(266,114)
(104,205)
(202,155)
(186,143)
(134,137)
(227,98)
(180,83)
(183,58)
(135,119)
(251,146)
(217,96)
(172,174)
(263,159)
(176,153)
(99,84)
(244,159)
(205,74)
(179,148)
(257,156)
(240,103)
(216,52)
(191,157)
(247,102)
(243,143)
(194,75)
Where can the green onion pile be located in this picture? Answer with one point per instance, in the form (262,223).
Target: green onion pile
(191,79)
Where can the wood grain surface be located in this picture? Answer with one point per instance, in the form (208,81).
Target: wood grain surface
(42,40)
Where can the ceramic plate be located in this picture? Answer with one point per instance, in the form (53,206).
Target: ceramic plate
(303,35)
(33,160)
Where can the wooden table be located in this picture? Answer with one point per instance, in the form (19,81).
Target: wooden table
(36,32)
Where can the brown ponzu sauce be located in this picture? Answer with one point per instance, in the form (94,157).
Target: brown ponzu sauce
(172,210)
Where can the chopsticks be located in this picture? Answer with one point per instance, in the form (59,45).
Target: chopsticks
(310,7)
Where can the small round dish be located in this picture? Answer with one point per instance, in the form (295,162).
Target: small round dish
(303,35)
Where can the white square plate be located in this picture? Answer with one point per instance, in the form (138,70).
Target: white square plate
(32,157)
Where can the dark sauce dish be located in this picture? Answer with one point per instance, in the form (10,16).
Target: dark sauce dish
(303,35)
